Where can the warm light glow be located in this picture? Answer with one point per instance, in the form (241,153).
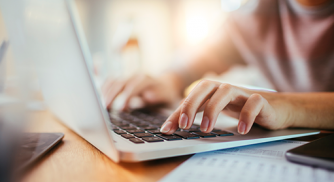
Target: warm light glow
(197,28)
(197,19)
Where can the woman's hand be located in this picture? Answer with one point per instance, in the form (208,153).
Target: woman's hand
(246,105)
(151,90)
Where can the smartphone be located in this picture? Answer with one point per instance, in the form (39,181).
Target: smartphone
(33,146)
(319,153)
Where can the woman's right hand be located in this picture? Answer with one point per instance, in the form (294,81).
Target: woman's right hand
(151,90)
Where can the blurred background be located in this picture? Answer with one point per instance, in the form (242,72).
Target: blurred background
(147,34)
(129,36)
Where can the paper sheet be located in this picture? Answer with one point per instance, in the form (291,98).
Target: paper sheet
(254,163)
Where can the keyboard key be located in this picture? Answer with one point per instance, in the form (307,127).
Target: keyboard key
(136,120)
(152,139)
(154,131)
(205,135)
(136,140)
(186,135)
(143,125)
(159,121)
(162,118)
(119,122)
(127,136)
(169,137)
(114,120)
(194,128)
(143,135)
(136,131)
(147,118)
(119,131)
(141,116)
(223,133)
(150,128)
(124,115)
(129,128)
(127,117)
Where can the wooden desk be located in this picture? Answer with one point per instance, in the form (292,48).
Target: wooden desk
(76,160)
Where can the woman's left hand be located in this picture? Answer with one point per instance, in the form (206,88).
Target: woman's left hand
(246,105)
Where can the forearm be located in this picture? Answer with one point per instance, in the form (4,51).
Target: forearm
(310,110)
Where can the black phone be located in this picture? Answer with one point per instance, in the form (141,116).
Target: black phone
(33,146)
(319,153)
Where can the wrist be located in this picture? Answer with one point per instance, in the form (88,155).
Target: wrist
(284,109)
(290,112)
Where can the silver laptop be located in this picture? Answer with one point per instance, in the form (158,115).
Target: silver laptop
(51,33)
(3,48)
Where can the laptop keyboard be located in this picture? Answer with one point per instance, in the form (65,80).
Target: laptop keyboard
(139,127)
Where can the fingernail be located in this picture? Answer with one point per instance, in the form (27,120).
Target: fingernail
(242,128)
(205,123)
(166,127)
(183,121)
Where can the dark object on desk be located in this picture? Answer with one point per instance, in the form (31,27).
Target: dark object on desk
(33,146)
(319,153)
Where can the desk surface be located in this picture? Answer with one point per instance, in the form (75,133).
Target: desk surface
(76,160)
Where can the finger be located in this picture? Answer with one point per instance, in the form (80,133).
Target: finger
(134,88)
(115,89)
(222,97)
(171,124)
(204,105)
(252,108)
(197,97)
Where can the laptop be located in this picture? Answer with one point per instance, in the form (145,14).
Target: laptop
(54,39)
(3,48)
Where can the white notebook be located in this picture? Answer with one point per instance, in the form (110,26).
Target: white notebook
(254,163)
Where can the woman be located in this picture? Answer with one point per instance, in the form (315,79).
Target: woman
(290,41)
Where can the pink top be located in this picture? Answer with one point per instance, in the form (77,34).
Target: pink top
(292,45)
